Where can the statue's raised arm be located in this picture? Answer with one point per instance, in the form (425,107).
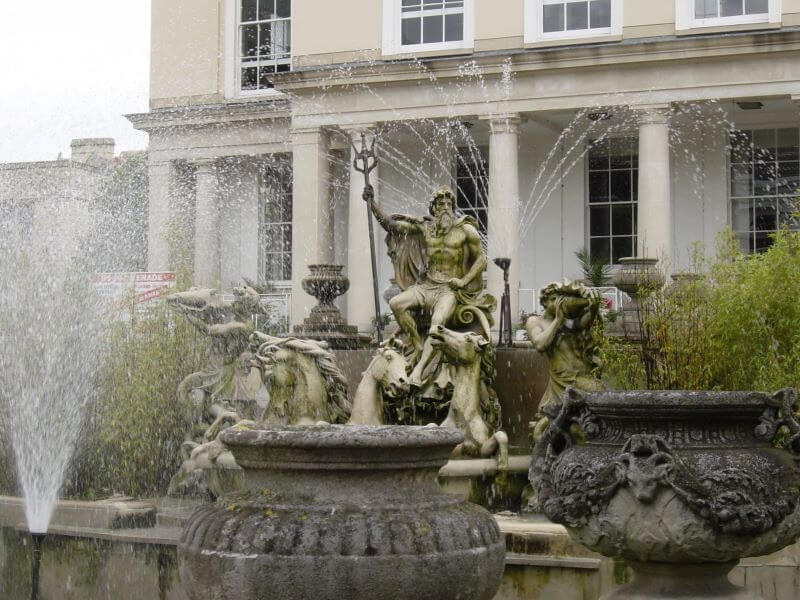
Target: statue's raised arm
(405,242)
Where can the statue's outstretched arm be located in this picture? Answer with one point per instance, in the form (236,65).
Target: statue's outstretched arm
(387,222)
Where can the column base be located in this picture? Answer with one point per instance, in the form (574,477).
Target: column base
(668,581)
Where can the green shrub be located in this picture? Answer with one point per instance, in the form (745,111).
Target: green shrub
(132,438)
(737,328)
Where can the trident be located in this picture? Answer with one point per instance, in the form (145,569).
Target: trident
(369,161)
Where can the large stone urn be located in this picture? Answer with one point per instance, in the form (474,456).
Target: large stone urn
(679,484)
(341,512)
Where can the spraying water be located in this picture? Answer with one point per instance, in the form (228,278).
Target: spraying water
(50,325)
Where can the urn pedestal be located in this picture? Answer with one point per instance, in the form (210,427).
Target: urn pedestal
(325,323)
(679,484)
(341,513)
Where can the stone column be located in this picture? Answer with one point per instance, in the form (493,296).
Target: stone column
(655,187)
(312,223)
(503,238)
(161,175)
(360,300)
(206,225)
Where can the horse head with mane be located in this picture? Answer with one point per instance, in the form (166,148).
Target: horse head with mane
(305,385)
(385,377)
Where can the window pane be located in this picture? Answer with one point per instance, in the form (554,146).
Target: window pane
(287,238)
(553,17)
(577,15)
(265,41)
(788,178)
(705,9)
(454,28)
(764,178)
(622,248)
(620,186)
(411,3)
(764,145)
(741,180)
(621,151)
(730,8)
(287,266)
(598,155)
(635,184)
(272,238)
(248,10)
(599,220)
(249,78)
(756,7)
(598,187)
(249,40)
(432,29)
(765,215)
(787,144)
(266,9)
(265,77)
(283,8)
(787,211)
(600,248)
(622,220)
(411,33)
(600,13)
(762,241)
(281,39)
(741,146)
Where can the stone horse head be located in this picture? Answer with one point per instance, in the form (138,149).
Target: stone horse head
(386,376)
(305,384)
(473,407)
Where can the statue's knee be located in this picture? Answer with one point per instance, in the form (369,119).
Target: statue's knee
(396,305)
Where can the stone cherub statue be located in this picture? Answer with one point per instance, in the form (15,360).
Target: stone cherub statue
(566,334)
(438,263)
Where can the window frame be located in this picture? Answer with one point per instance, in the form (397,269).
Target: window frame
(392,31)
(634,203)
(776,197)
(232,53)
(277,173)
(534,23)
(685,19)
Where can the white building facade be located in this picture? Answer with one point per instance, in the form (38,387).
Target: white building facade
(626,127)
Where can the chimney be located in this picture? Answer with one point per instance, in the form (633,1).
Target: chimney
(89,149)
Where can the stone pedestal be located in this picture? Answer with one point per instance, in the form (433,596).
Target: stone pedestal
(636,276)
(325,322)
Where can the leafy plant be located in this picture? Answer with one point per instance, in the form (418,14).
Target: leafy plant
(595,271)
(736,328)
(132,438)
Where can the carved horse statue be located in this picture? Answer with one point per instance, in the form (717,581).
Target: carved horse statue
(305,385)
(468,355)
(385,377)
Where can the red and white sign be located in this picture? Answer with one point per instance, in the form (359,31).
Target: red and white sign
(145,286)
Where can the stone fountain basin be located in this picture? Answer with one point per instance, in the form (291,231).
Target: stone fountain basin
(334,511)
(671,477)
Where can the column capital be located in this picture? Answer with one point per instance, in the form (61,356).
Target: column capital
(504,123)
(354,131)
(206,165)
(653,114)
(309,135)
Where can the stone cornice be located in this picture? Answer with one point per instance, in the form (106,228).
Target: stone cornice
(490,63)
(210,114)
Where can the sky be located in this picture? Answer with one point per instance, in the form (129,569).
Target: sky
(71,69)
